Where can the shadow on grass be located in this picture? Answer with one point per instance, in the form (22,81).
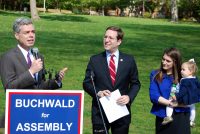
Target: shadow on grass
(50,17)
(65,17)
(170,28)
(13,13)
(139,39)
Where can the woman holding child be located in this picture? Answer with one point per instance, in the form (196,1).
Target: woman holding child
(161,81)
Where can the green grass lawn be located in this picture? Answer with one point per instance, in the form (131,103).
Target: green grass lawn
(69,40)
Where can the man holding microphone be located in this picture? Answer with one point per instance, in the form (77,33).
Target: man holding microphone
(19,69)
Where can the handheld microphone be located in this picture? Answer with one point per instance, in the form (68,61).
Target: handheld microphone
(36,75)
(92,75)
(35,52)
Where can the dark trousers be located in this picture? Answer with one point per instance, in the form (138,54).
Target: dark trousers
(115,128)
(179,125)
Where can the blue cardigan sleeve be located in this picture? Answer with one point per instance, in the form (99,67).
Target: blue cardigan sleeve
(154,91)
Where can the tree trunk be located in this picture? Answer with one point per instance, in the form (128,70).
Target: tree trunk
(34,12)
(174,11)
(143,8)
(1,3)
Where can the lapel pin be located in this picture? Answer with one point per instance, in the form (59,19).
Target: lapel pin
(121,59)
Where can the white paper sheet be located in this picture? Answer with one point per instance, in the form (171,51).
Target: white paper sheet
(112,110)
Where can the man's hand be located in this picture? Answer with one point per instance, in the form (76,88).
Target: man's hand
(62,73)
(103,93)
(123,100)
(36,66)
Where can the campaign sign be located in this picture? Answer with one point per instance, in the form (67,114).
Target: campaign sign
(44,111)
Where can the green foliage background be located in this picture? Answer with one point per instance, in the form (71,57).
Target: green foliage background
(69,40)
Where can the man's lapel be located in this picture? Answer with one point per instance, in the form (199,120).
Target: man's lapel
(20,58)
(106,68)
(120,67)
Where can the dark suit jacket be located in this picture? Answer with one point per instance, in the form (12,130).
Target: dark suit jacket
(126,81)
(15,75)
(189,92)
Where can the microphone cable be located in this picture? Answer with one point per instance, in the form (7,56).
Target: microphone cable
(104,124)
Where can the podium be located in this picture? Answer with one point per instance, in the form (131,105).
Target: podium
(44,111)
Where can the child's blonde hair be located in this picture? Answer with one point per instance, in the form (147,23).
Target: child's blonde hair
(192,66)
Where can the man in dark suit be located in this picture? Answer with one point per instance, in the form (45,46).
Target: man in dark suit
(16,72)
(19,69)
(112,70)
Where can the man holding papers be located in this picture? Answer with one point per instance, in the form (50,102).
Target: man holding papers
(111,70)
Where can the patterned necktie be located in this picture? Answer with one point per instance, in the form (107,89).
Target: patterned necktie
(29,60)
(112,69)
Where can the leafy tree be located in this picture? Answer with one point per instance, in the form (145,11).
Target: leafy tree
(189,9)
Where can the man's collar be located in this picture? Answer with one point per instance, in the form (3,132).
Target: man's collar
(116,53)
(22,49)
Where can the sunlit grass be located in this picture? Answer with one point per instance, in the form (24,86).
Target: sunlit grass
(69,40)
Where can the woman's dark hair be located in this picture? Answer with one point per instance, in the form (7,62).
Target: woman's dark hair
(176,70)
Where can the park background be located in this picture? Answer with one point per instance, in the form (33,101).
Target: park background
(69,40)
